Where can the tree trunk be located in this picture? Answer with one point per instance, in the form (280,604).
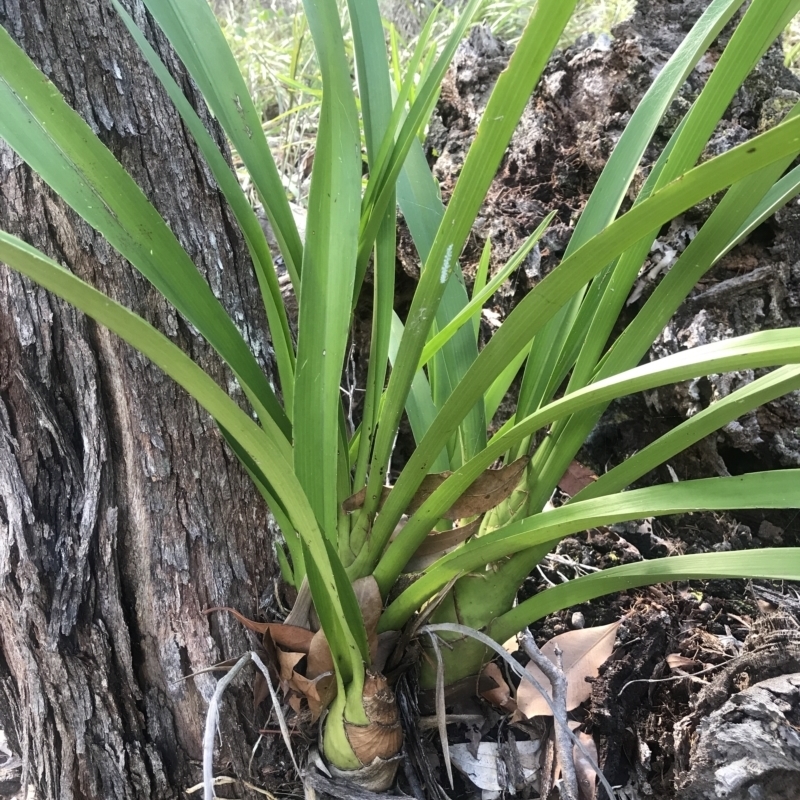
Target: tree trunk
(122,513)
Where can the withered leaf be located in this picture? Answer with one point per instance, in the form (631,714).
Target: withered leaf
(439,541)
(368,596)
(576,477)
(320,660)
(494,689)
(290,637)
(369,600)
(584,651)
(355,501)
(318,692)
(487,491)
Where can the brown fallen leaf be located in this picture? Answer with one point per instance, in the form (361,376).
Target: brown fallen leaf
(494,689)
(576,477)
(289,637)
(287,662)
(486,491)
(318,693)
(584,650)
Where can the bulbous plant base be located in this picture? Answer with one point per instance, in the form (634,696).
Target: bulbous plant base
(376,744)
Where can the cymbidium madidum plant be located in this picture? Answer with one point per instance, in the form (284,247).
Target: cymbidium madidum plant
(325,483)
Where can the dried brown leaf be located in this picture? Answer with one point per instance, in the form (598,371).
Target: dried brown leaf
(318,693)
(584,651)
(290,637)
(576,477)
(487,491)
(320,659)
(287,663)
(356,501)
(368,596)
(439,541)
(494,689)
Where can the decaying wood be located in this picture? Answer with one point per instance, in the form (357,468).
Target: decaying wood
(122,514)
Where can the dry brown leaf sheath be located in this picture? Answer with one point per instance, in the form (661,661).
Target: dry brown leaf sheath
(290,637)
(487,491)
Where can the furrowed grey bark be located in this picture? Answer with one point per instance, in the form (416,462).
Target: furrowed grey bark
(122,513)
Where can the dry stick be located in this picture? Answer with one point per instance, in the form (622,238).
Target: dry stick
(277,706)
(558,680)
(523,673)
(212,718)
(440,707)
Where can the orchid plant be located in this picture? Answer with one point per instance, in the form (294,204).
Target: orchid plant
(469,533)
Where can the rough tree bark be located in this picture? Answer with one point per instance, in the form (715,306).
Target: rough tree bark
(122,514)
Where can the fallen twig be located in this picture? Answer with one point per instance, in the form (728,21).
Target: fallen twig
(212,718)
(564,739)
(276,705)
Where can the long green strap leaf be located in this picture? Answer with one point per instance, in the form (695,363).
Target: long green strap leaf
(763,349)
(505,106)
(718,414)
(472,309)
(328,273)
(374,86)
(568,435)
(610,190)
(776,489)
(56,142)
(195,34)
(265,446)
(242,210)
(780,563)
(550,295)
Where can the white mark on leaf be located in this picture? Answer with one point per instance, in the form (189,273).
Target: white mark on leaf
(448,257)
